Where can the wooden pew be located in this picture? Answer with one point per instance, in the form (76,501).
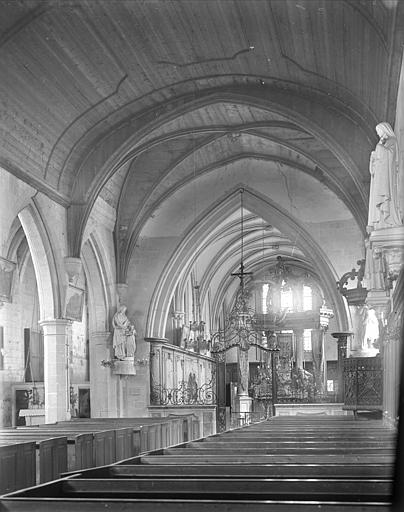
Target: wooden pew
(205,488)
(214,475)
(50,454)
(174,429)
(76,450)
(135,468)
(79,446)
(17,465)
(108,446)
(86,448)
(203,495)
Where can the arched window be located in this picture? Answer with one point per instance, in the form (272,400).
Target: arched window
(307,298)
(307,346)
(265,290)
(287,299)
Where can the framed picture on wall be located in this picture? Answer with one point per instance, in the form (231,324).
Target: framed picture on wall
(74,303)
(7,269)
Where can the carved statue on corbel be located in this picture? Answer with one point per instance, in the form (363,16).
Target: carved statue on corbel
(178,323)
(384,261)
(380,272)
(178,318)
(7,271)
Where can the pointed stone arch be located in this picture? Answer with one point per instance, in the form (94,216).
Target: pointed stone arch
(311,112)
(267,210)
(99,302)
(43,259)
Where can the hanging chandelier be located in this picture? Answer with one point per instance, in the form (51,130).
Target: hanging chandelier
(240,326)
(243,327)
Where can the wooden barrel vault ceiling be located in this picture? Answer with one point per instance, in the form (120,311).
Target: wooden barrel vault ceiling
(158,105)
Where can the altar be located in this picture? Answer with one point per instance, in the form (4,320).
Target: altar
(313,409)
(33,416)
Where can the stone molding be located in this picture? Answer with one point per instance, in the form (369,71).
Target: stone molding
(56,322)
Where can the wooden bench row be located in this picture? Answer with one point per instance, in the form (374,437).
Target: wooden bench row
(51,456)
(137,468)
(373,490)
(50,450)
(214,474)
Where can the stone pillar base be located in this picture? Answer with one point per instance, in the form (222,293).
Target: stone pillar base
(244,407)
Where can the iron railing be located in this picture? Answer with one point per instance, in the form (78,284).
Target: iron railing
(184,394)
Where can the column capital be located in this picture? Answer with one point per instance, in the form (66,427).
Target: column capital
(156,340)
(341,337)
(59,324)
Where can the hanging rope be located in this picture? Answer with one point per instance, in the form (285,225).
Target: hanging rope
(242,229)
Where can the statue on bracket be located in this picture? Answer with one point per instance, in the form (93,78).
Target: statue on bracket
(124,339)
(384,206)
(369,342)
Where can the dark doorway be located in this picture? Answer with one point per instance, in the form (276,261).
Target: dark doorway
(84,403)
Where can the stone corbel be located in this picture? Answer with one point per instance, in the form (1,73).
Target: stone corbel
(388,244)
(122,293)
(73,268)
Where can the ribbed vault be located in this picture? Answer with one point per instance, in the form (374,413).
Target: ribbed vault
(200,248)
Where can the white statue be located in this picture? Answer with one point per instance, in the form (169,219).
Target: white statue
(371,331)
(124,340)
(384,207)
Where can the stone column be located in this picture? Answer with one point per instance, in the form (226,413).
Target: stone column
(244,401)
(104,385)
(341,338)
(316,351)
(243,376)
(323,364)
(299,347)
(156,369)
(56,374)
(325,316)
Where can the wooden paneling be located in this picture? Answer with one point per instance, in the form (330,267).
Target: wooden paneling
(52,458)
(17,466)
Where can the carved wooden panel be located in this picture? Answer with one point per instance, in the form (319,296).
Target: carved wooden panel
(363,383)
